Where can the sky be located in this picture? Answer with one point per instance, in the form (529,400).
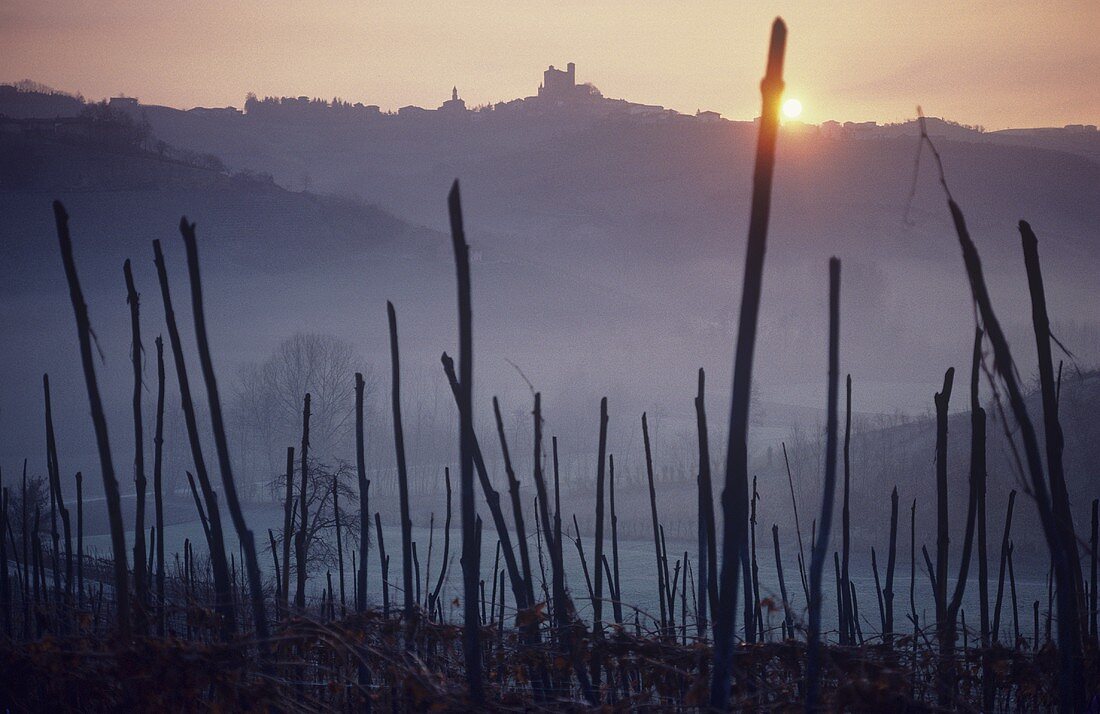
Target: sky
(996,64)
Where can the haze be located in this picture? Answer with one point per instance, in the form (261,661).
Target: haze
(610,159)
(996,64)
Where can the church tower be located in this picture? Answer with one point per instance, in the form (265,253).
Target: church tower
(454,105)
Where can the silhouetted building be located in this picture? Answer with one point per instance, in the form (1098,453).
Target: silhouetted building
(866,129)
(557,84)
(454,105)
(215,111)
(123,103)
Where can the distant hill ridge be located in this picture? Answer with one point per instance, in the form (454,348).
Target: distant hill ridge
(83,162)
(558,94)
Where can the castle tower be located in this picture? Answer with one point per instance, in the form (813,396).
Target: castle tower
(559,84)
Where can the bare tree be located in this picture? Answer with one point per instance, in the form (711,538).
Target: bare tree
(268,398)
(320,545)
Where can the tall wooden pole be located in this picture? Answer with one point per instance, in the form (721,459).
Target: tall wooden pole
(821,544)
(99,423)
(471,557)
(735,494)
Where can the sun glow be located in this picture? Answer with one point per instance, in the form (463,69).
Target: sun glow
(792,108)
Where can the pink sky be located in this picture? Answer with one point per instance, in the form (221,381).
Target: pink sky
(998,64)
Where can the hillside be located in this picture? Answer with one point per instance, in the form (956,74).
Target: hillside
(244,209)
(264,249)
(607,252)
(275,262)
(658,207)
(901,452)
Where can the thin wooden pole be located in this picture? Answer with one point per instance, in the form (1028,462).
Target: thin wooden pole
(493,596)
(976,482)
(758,617)
(669,600)
(813,663)
(708,546)
(331,612)
(25,540)
(38,572)
(878,592)
(543,495)
(787,619)
(5,583)
(797,527)
(542,561)
(1035,627)
(847,620)
(1071,604)
(339,543)
(1050,602)
(583,559)
(1012,590)
(517,506)
(221,444)
(300,544)
(158,489)
(597,603)
(615,580)
(288,530)
(384,562)
(978,477)
(416,575)
(944,628)
(858,636)
(656,523)
(1093,556)
(1052,427)
(59,497)
(364,496)
(1005,545)
(471,634)
(842,623)
(79,537)
(141,577)
(563,605)
(206,528)
(55,546)
(434,596)
(942,534)
(215,540)
(275,562)
(891,561)
(99,423)
(402,469)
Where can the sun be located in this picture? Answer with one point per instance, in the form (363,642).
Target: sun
(792,108)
